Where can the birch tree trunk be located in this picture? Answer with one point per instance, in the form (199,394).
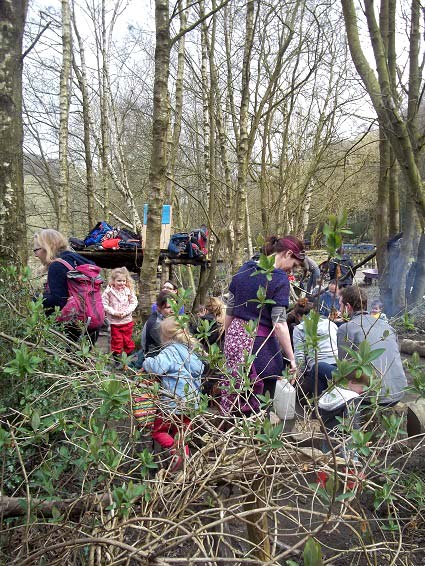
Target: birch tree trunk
(178,104)
(206,108)
(393,197)
(250,250)
(226,212)
(104,115)
(384,212)
(242,147)
(13,237)
(382,225)
(158,163)
(231,99)
(82,83)
(264,180)
(64,102)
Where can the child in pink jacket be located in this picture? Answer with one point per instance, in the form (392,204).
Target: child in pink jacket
(120,301)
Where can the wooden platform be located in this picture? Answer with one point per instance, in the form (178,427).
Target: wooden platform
(133,259)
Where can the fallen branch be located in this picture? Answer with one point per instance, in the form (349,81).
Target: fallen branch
(411,346)
(135,554)
(72,508)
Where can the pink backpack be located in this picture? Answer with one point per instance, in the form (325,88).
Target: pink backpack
(84,295)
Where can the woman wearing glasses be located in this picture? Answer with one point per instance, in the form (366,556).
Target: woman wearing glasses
(50,245)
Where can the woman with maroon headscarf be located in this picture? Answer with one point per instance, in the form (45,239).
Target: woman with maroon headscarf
(271,337)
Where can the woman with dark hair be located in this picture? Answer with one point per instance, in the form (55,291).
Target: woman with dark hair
(271,336)
(169,287)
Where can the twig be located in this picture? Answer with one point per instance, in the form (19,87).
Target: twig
(27,487)
(40,33)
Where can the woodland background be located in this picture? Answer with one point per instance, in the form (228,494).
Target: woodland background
(251,117)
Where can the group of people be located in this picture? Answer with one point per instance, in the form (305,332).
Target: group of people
(260,339)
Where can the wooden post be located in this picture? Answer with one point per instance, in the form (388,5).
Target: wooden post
(165,270)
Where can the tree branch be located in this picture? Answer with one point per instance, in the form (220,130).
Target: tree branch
(40,33)
(195,24)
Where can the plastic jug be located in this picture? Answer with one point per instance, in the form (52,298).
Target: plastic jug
(284,400)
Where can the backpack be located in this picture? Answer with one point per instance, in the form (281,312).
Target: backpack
(195,250)
(110,243)
(200,236)
(180,244)
(346,271)
(76,244)
(96,235)
(125,235)
(84,295)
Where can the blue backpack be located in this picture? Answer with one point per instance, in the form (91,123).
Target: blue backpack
(180,244)
(96,235)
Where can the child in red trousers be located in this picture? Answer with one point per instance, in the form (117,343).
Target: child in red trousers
(180,371)
(120,301)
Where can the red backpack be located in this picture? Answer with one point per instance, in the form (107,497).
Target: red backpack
(84,295)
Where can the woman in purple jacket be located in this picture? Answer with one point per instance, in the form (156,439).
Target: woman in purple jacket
(271,336)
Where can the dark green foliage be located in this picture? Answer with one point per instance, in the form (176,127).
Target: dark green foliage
(58,401)
(417,370)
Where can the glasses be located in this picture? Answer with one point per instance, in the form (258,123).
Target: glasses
(36,249)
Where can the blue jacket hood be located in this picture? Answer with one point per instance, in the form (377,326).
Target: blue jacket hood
(181,370)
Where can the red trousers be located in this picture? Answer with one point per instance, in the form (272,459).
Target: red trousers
(164,432)
(121,338)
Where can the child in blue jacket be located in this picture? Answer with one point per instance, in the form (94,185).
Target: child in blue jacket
(180,371)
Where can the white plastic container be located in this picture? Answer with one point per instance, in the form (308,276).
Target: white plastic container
(284,400)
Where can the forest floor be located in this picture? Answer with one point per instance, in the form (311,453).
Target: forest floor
(339,539)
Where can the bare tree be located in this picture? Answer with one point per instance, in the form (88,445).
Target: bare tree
(81,75)
(64,103)
(12,208)
(243,146)
(399,127)
(158,165)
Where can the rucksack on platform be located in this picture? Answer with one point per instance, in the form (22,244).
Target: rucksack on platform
(84,296)
(96,235)
(180,244)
